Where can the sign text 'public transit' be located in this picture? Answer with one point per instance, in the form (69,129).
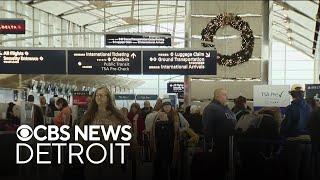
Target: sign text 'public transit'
(185,62)
(25,61)
(104,62)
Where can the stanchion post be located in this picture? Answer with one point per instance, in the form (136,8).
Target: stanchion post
(231,158)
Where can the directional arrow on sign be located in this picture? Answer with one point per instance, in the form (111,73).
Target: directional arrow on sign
(133,55)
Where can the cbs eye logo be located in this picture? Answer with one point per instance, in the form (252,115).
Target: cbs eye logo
(24,133)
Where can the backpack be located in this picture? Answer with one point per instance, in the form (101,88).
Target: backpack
(241,113)
(264,127)
(249,120)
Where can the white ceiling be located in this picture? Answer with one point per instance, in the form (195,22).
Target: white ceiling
(294,23)
(118,13)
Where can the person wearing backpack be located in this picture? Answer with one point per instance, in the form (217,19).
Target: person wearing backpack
(297,149)
(240,107)
(258,144)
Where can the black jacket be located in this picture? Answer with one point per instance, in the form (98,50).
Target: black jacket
(38,116)
(314,126)
(195,123)
(218,121)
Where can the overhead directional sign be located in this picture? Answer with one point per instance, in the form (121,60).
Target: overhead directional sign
(104,62)
(185,62)
(124,96)
(137,40)
(177,88)
(24,61)
(146,97)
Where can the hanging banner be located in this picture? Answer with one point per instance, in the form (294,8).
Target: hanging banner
(104,62)
(313,91)
(271,96)
(177,88)
(12,26)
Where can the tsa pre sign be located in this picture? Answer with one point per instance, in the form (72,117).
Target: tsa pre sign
(271,96)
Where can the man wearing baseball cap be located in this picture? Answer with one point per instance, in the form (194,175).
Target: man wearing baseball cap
(294,128)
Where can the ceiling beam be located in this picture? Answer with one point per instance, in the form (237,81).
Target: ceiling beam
(175,21)
(118,14)
(157,17)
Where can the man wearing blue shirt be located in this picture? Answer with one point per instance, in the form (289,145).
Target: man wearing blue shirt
(294,128)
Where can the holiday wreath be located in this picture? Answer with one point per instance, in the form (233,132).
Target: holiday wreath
(237,23)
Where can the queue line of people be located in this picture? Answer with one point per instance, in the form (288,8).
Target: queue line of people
(295,136)
(163,126)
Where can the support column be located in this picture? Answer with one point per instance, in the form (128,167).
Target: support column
(316,70)
(266,43)
(187,44)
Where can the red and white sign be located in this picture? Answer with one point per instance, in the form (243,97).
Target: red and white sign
(12,26)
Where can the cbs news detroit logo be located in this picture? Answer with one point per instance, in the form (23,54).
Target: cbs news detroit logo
(35,140)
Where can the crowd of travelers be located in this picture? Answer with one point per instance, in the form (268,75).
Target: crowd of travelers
(266,143)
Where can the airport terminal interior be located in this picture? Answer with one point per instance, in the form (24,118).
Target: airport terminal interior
(212,89)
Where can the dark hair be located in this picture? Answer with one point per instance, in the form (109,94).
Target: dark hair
(239,104)
(158,105)
(63,102)
(188,110)
(41,94)
(137,106)
(93,108)
(30,98)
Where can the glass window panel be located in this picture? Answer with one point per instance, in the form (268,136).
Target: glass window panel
(278,65)
(299,74)
(278,82)
(300,65)
(278,55)
(278,75)
(299,81)
(296,55)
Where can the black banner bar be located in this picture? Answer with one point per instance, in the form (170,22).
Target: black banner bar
(24,61)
